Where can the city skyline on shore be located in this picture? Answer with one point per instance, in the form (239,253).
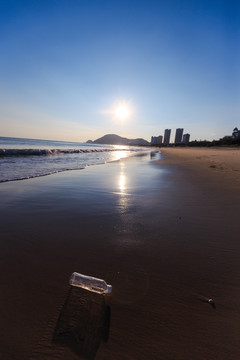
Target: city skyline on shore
(76,70)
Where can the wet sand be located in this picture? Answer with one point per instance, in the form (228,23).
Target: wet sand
(163,232)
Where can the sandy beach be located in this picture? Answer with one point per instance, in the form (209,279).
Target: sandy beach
(164,232)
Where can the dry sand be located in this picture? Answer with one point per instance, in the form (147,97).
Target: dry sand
(164,233)
(222,163)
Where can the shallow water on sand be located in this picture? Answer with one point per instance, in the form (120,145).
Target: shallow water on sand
(28,158)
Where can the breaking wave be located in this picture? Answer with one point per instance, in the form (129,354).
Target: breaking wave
(45,152)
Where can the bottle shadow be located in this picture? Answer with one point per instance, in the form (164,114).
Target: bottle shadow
(83,323)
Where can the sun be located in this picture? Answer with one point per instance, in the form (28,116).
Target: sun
(122,111)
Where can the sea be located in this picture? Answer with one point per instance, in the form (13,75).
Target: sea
(29,158)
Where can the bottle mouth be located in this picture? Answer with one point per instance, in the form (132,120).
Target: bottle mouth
(72,278)
(109,289)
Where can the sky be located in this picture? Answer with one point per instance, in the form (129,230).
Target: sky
(65,66)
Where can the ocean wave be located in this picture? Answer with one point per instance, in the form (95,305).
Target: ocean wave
(26,163)
(45,152)
(26,177)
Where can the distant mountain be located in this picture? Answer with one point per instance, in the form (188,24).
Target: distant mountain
(112,139)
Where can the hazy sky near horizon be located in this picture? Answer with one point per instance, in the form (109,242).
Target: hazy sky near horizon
(65,64)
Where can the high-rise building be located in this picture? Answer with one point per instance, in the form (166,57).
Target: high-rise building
(178,136)
(186,138)
(236,133)
(167,134)
(156,140)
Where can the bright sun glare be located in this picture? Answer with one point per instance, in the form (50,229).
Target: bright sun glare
(122,112)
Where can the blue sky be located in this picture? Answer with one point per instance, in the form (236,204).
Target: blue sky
(64,64)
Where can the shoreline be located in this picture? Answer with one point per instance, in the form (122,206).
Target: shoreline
(162,232)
